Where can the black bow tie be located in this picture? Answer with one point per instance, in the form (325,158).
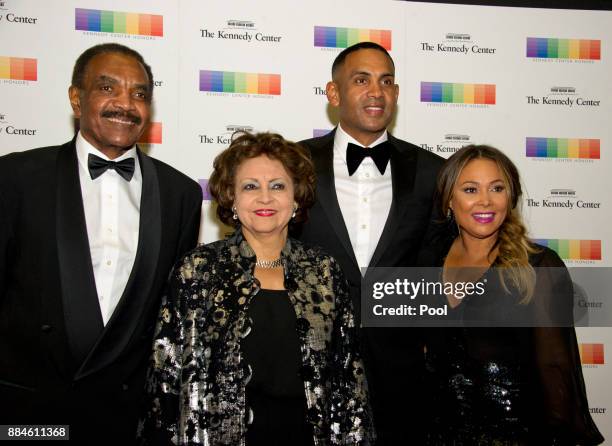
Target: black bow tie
(97,166)
(380,154)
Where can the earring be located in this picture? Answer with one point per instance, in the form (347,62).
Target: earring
(235,216)
(449,214)
(295,208)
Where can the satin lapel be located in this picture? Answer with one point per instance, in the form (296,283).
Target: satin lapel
(323,158)
(133,303)
(82,314)
(403,173)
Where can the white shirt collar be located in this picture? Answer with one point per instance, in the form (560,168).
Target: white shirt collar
(342,139)
(84,148)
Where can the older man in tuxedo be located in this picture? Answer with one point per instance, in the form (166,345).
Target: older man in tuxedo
(374,208)
(89,231)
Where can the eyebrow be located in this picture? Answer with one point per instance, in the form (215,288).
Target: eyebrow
(105,78)
(255,179)
(110,79)
(367,73)
(476,182)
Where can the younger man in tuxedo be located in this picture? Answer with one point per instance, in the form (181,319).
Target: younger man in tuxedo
(374,207)
(89,231)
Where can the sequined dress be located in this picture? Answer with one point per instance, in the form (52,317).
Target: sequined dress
(508,386)
(199,374)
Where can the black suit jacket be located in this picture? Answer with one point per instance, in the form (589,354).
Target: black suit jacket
(58,363)
(393,357)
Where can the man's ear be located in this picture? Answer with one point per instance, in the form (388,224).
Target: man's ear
(333,95)
(74,94)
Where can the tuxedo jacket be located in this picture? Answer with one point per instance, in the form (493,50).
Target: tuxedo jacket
(58,363)
(393,357)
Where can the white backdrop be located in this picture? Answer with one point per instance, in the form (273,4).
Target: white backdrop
(564,95)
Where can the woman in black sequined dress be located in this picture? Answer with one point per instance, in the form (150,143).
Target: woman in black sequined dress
(255,342)
(501,384)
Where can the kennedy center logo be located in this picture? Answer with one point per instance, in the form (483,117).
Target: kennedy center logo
(240,31)
(333,37)
(117,23)
(565,200)
(8,129)
(572,148)
(451,143)
(152,134)
(581,251)
(16,19)
(564,96)
(18,70)
(455,43)
(569,50)
(224,138)
(442,93)
(592,354)
(240,84)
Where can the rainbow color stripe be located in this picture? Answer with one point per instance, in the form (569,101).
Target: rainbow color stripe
(316,133)
(458,93)
(118,22)
(18,68)
(231,82)
(562,148)
(549,48)
(592,354)
(203,182)
(152,134)
(573,249)
(332,37)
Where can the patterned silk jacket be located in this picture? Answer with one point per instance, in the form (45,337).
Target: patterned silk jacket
(198,375)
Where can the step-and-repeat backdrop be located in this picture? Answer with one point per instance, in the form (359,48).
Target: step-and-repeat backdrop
(533,82)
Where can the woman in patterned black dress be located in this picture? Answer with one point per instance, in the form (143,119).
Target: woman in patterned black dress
(255,342)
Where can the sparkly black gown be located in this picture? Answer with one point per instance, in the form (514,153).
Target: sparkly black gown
(508,386)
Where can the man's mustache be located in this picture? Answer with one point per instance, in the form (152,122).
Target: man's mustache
(135,119)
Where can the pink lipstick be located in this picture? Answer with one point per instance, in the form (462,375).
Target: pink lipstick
(484,217)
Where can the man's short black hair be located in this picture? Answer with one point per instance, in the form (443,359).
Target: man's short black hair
(358,46)
(80,66)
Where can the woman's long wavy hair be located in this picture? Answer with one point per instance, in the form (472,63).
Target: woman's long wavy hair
(513,245)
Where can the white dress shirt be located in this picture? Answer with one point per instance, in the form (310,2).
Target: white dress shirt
(112,215)
(364,198)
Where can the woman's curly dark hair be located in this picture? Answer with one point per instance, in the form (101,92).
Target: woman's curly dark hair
(294,158)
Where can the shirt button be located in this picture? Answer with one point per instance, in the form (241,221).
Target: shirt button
(367,175)
(365,199)
(109,263)
(364,226)
(110,230)
(101,297)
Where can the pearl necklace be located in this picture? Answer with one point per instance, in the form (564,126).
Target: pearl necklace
(269,264)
